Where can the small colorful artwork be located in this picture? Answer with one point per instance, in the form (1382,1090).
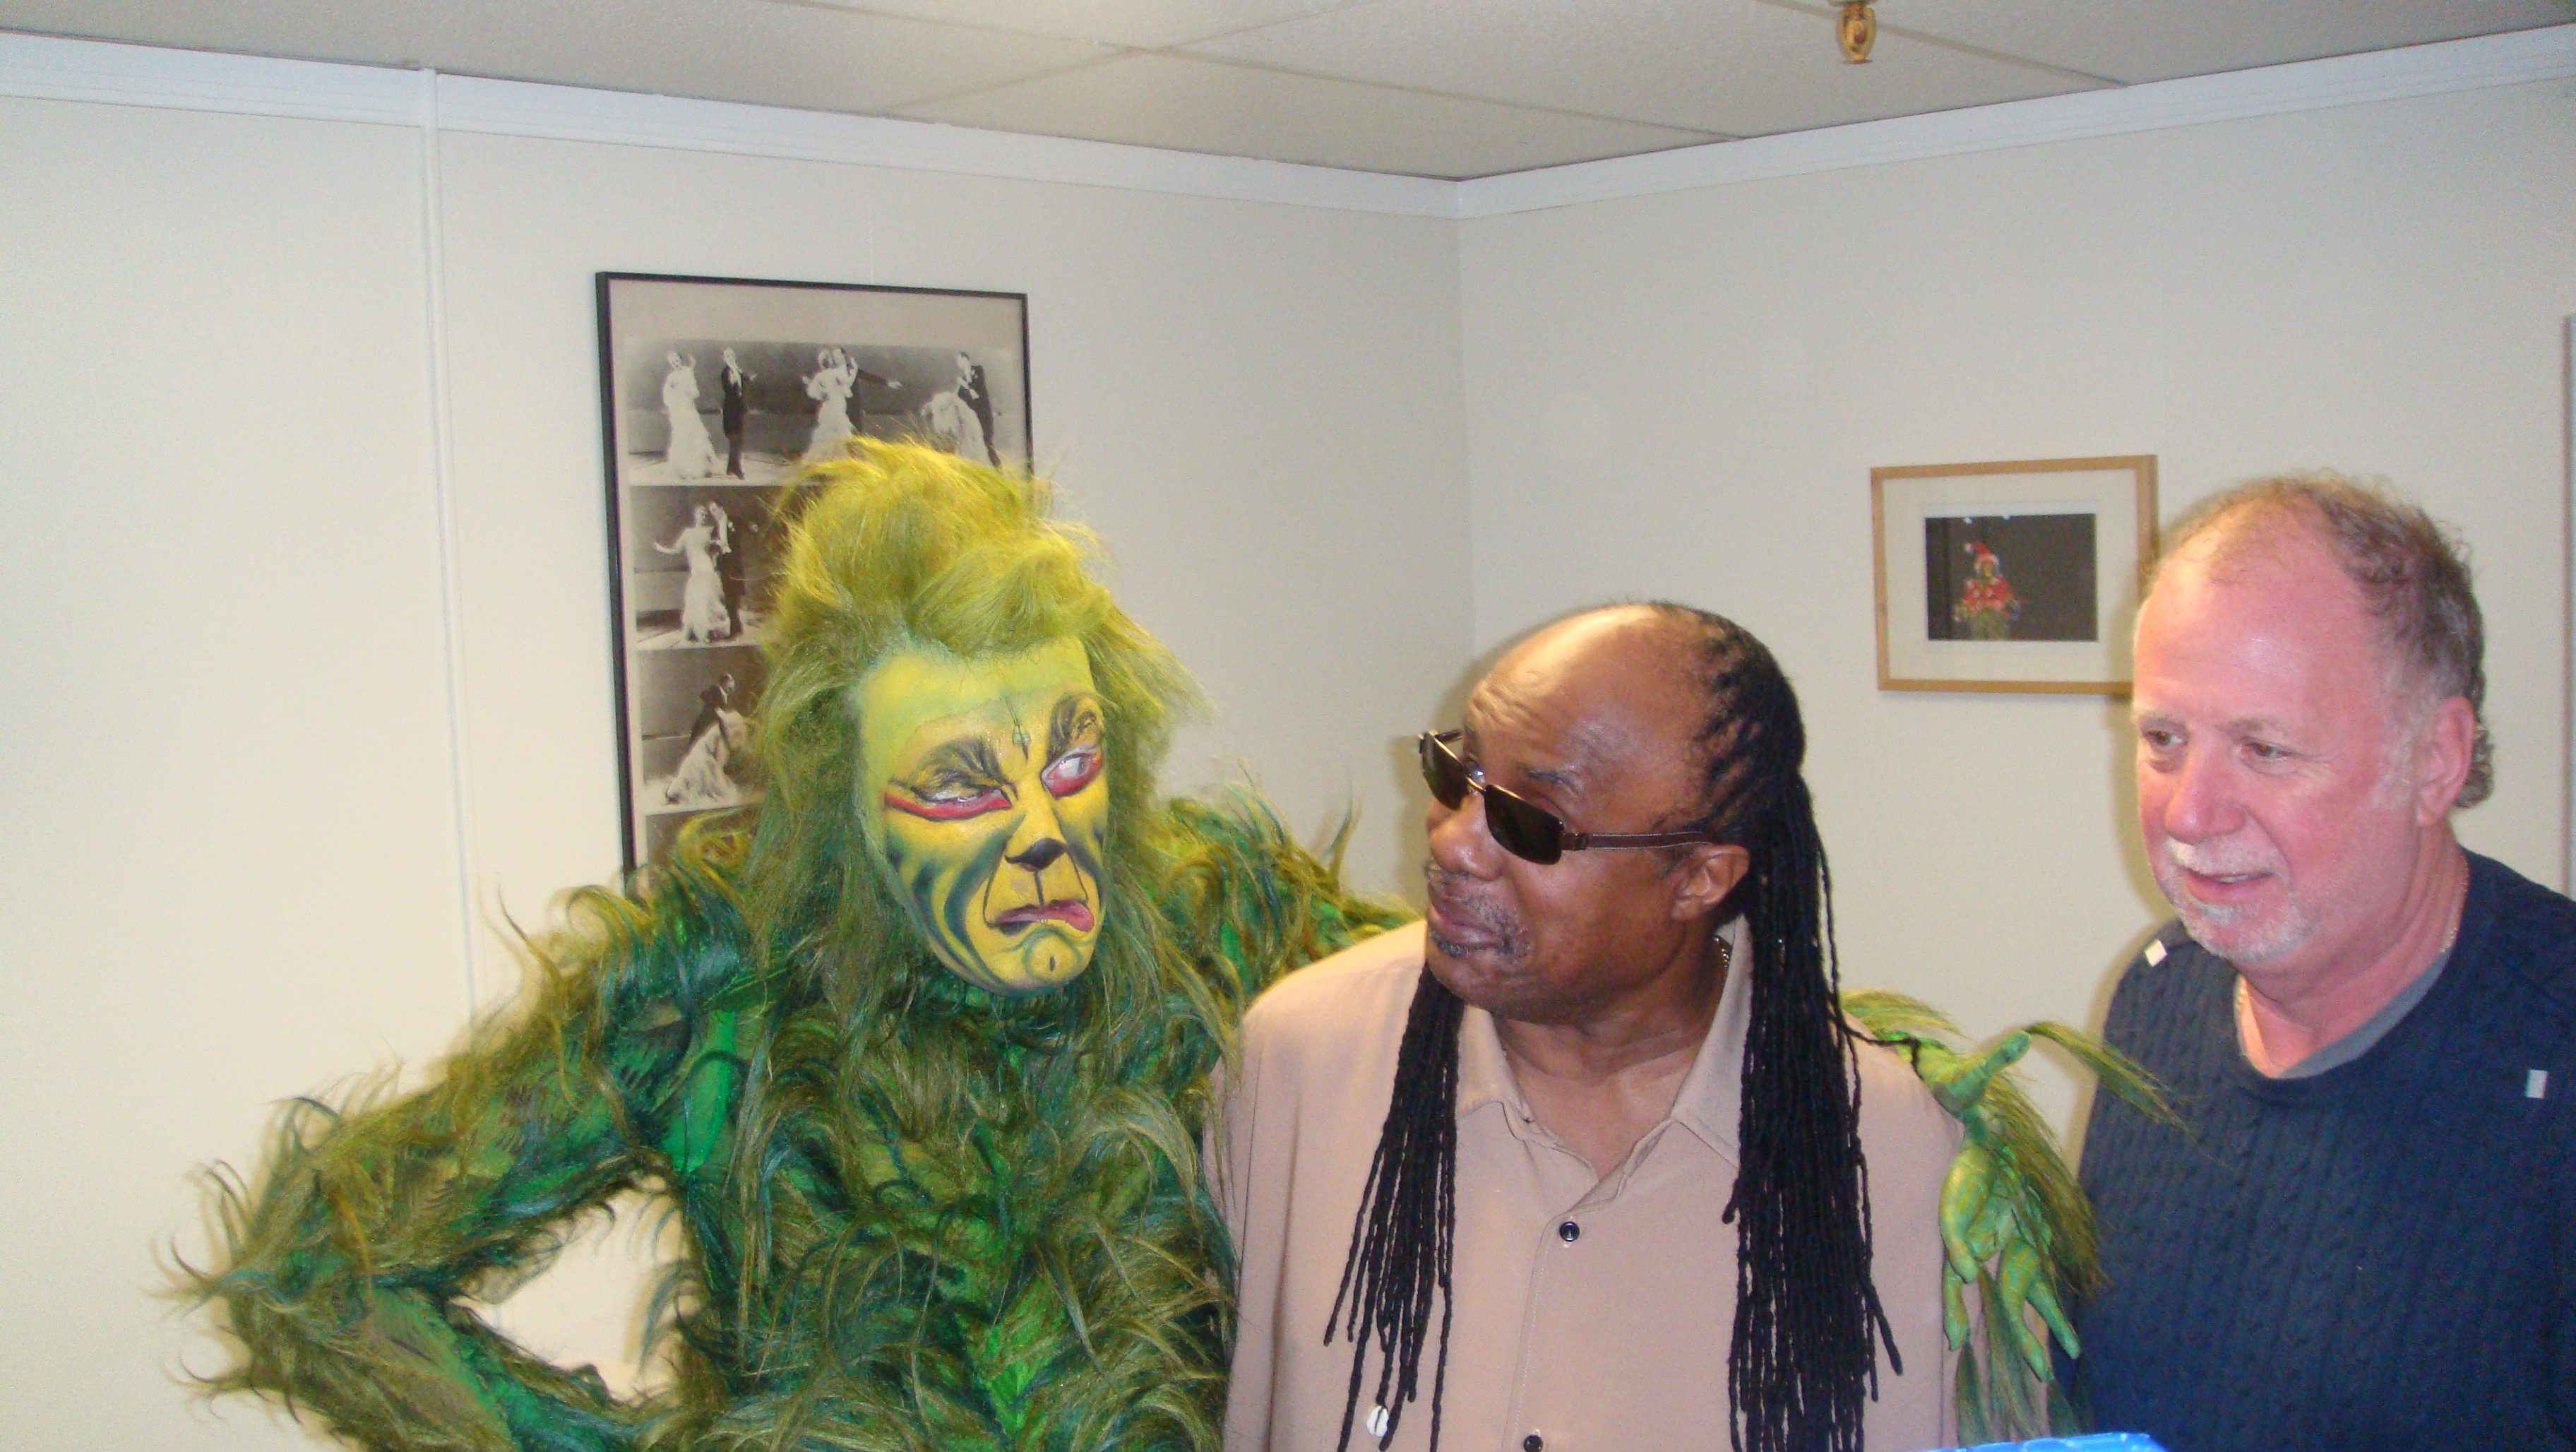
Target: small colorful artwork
(2010,577)
(2013,576)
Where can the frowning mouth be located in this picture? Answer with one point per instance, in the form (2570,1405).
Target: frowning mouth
(1074,913)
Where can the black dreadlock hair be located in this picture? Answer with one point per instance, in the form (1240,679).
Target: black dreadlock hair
(1802,1362)
(1409,1211)
(1807,1317)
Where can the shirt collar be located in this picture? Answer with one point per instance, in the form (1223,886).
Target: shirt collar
(1712,1093)
(1484,1076)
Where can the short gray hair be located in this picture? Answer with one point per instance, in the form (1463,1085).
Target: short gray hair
(2412,571)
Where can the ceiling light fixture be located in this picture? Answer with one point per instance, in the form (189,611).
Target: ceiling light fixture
(1857,29)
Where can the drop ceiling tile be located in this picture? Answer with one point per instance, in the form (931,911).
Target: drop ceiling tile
(2155,40)
(1150,24)
(728,50)
(1195,105)
(1731,66)
(1445,87)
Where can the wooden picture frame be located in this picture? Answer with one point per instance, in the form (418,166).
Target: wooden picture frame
(2020,575)
(713,391)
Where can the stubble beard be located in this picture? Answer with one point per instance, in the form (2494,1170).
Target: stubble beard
(1506,940)
(2241,934)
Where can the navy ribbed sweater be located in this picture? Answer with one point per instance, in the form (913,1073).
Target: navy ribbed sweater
(2383,1256)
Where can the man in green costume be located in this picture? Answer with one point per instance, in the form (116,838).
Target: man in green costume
(922,1058)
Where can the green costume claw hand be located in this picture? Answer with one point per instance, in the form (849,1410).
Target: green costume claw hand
(1989,1211)
(1974,1222)
(2014,1223)
(2025,1286)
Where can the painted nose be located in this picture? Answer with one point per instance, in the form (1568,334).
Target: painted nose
(1038,856)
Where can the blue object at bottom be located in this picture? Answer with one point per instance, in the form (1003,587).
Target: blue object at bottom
(2098,1442)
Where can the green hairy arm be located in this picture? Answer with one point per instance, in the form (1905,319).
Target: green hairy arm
(341,1272)
(2015,1224)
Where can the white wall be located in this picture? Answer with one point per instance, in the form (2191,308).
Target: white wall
(1684,394)
(228,873)
(233,869)
(247,855)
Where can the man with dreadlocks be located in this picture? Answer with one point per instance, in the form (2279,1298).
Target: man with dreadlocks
(922,1059)
(1537,1162)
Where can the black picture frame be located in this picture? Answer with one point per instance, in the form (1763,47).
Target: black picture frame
(773,373)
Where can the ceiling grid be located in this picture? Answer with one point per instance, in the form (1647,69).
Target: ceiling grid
(1448,90)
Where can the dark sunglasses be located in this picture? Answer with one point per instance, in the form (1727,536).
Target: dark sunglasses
(1529,832)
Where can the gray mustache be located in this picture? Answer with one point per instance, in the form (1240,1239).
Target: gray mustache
(2216,864)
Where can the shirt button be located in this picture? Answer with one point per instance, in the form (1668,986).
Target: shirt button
(1534,1442)
(1569,1232)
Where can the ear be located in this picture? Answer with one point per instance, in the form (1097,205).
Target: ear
(1705,877)
(2442,755)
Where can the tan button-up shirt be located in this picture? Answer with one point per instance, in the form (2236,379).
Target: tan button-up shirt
(1592,1314)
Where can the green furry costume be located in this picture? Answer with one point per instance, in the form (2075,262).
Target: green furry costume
(917,1214)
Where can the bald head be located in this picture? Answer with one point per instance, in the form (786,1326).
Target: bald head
(1615,687)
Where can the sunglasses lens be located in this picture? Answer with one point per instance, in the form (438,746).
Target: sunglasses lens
(1523,830)
(1443,772)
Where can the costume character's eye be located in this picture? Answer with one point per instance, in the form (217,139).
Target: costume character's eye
(947,801)
(1072,771)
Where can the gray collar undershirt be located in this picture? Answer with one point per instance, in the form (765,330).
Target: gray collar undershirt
(2374,1028)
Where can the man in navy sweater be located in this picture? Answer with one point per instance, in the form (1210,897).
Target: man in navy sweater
(2363,1235)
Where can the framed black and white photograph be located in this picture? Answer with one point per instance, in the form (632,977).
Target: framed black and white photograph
(2014,576)
(714,392)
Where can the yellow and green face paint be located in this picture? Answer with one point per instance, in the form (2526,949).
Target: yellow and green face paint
(989,780)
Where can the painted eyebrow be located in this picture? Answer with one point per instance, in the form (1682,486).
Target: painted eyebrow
(973,755)
(1071,717)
